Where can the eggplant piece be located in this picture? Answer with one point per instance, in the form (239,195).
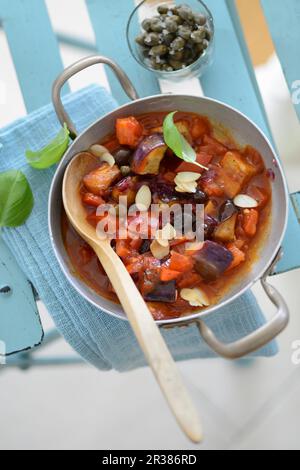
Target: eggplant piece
(225,232)
(145,246)
(126,187)
(99,180)
(236,173)
(212,260)
(210,224)
(227,210)
(148,155)
(163,292)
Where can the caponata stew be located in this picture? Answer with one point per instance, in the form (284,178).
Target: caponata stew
(175,274)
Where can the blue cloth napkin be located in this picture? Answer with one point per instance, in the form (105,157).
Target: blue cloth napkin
(100,339)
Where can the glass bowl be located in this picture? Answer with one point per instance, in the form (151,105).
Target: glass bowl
(148,9)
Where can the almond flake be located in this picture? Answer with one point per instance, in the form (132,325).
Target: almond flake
(159,251)
(194,246)
(108,158)
(187,177)
(186,187)
(195,297)
(98,150)
(245,201)
(143,198)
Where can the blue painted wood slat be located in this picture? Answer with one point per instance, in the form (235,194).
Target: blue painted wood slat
(109,20)
(20,327)
(284,23)
(34,48)
(232,79)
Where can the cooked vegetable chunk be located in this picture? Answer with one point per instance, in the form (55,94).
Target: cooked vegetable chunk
(99,180)
(237,172)
(225,232)
(125,187)
(148,155)
(212,261)
(250,221)
(129,131)
(163,292)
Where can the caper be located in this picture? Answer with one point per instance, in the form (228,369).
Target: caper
(185,12)
(171,25)
(146,24)
(177,44)
(205,44)
(177,19)
(156,25)
(200,19)
(167,68)
(177,55)
(158,50)
(152,39)
(184,32)
(167,37)
(153,64)
(176,64)
(140,39)
(163,9)
(207,34)
(199,35)
(122,156)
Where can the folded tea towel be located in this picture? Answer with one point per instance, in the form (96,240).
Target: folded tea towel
(100,339)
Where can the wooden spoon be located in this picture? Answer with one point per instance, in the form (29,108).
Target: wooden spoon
(138,314)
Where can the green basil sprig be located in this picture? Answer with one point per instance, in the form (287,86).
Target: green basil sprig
(50,154)
(16,199)
(176,141)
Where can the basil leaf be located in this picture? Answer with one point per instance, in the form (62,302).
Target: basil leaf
(16,199)
(50,154)
(176,141)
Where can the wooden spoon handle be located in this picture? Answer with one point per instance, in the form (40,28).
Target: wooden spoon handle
(151,342)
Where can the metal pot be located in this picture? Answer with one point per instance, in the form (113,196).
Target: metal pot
(244,131)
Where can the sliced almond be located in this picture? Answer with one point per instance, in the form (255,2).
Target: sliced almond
(195,297)
(190,187)
(108,158)
(159,238)
(245,201)
(159,251)
(187,177)
(169,232)
(98,150)
(143,198)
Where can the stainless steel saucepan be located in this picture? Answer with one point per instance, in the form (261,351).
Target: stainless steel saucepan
(245,132)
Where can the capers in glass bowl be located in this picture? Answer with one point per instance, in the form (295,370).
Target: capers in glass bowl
(171,38)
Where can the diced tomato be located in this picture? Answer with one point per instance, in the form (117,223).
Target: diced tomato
(213,146)
(261,195)
(169,176)
(129,131)
(136,243)
(238,256)
(212,189)
(122,248)
(199,127)
(202,158)
(254,158)
(92,200)
(189,280)
(167,274)
(181,263)
(250,221)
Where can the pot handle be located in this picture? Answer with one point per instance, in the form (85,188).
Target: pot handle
(260,337)
(76,68)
